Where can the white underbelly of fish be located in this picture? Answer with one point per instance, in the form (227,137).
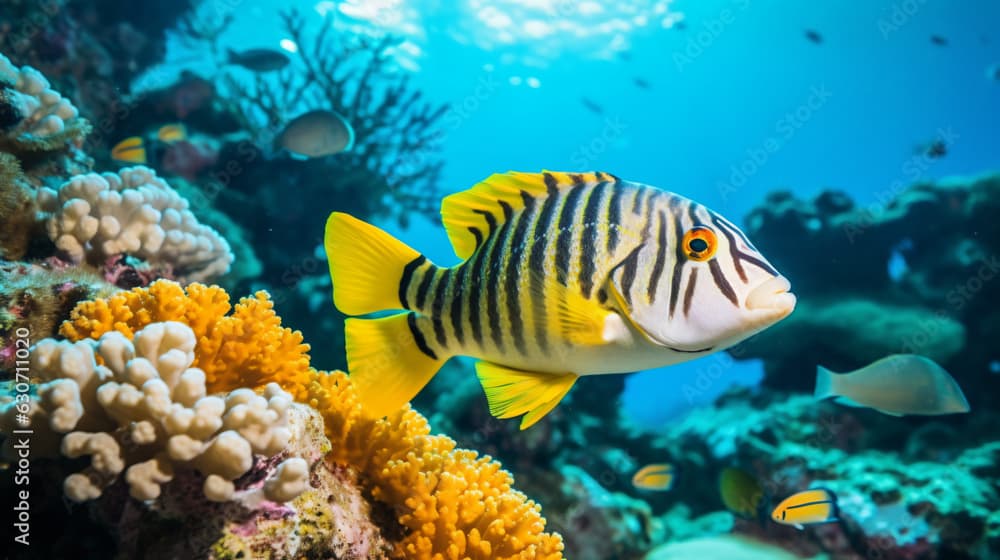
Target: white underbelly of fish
(624,356)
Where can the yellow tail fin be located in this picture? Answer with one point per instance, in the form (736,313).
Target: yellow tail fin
(366,265)
(389,361)
(512,392)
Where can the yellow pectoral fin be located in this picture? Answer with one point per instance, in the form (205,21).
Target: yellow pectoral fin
(573,317)
(513,392)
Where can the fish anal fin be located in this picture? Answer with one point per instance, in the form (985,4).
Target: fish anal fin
(512,392)
(487,202)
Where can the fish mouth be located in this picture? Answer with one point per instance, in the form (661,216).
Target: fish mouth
(772,296)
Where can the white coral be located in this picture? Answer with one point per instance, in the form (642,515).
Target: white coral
(137,213)
(146,402)
(43,111)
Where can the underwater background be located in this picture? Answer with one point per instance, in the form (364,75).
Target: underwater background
(854,142)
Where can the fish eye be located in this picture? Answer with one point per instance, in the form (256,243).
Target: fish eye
(700,243)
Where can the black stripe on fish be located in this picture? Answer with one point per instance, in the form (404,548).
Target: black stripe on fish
(477,234)
(425,284)
(407,277)
(661,255)
(738,255)
(437,306)
(457,292)
(491,275)
(564,235)
(680,259)
(628,266)
(720,281)
(418,335)
(476,280)
(511,275)
(689,292)
(540,237)
(587,237)
(491,220)
(614,218)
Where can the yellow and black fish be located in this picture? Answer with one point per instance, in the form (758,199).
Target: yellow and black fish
(808,507)
(564,274)
(657,477)
(135,149)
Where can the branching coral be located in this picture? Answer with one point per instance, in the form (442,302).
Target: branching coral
(395,130)
(248,348)
(145,413)
(134,212)
(453,503)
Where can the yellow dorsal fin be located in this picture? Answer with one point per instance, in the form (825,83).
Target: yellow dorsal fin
(469,215)
(513,392)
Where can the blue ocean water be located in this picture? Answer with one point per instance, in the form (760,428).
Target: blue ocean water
(739,102)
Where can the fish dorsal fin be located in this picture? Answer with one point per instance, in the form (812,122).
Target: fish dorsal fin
(471,216)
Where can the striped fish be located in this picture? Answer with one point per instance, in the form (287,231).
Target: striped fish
(808,507)
(563,275)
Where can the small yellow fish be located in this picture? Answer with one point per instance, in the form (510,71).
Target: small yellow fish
(657,477)
(170,133)
(741,493)
(564,274)
(808,507)
(134,149)
(130,150)
(895,385)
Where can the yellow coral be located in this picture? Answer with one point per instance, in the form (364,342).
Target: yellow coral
(248,348)
(453,503)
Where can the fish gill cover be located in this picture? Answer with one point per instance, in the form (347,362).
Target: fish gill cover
(147,152)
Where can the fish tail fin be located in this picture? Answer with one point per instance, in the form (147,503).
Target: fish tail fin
(371,270)
(388,360)
(824,383)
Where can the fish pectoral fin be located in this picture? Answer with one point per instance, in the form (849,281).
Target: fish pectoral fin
(513,392)
(572,317)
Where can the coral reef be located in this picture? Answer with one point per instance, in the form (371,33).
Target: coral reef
(377,487)
(451,502)
(91,50)
(248,348)
(145,401)
(36,298)
(95,217)
(33,116)
(852,309)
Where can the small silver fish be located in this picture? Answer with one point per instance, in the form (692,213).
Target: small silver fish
(895,385)
(258,60)
(316,134)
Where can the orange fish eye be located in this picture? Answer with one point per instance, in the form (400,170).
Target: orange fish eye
(700,243)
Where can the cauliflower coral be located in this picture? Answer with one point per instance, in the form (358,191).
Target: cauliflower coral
(452,503)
